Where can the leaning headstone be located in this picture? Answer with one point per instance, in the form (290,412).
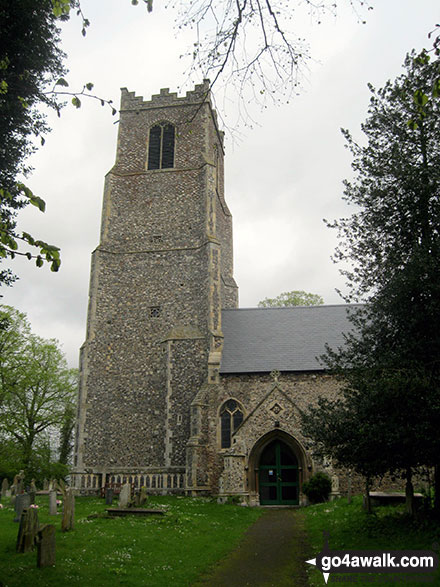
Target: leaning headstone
(53,503)
(46,546)
(5,487)
(45,485)
(125,495)
(27,532)
(33,487)
(68,510)
(108,496)
(22,502)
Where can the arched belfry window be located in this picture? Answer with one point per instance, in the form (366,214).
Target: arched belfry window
(231,416)
(161,146)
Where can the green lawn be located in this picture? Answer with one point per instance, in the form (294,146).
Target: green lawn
(169,550)
(350,528)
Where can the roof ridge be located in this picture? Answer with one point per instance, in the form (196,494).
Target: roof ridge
(294,307)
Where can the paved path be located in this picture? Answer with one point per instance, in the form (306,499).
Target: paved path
(272,553)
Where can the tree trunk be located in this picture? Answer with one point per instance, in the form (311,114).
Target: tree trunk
(409,493)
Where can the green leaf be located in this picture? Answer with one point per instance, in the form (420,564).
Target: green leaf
(60,7)
(62,82)
(76,102)
(89,86)
(4,63)
(3,87)
(420,98)
(55,265)
(39,261)
(38,202)
(28,238)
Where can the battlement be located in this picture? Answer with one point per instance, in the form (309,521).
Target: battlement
(201,93)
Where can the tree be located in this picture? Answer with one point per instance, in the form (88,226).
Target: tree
(31,77)
(66,434)
(252,46)
(292,298)
(37,388)
(390,367)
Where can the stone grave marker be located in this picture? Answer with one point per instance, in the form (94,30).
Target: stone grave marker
(22,502)
(108,496)
(45,485)
(125,495)
(33,487)
(53,503)
(27,531)
(46,546)
(143,496)
(68,510)
(5,487)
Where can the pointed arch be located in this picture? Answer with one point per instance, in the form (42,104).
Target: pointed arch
(231,415)
(258,449)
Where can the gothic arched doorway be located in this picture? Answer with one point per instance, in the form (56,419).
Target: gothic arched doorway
(278,475)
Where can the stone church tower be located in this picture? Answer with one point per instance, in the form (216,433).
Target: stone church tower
(180,390)
(160,277)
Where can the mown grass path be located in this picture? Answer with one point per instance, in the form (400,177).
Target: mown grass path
(272,553)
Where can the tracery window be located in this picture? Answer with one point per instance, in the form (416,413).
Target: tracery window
(161,146)
(231,416)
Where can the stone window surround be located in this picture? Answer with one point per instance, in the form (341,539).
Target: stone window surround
(162,124)
(220,409)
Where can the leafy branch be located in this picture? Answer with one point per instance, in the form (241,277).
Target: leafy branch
(76,101)
(9,245)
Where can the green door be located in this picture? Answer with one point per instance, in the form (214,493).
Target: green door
(278,475)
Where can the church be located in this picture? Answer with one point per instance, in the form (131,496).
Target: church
(180,390)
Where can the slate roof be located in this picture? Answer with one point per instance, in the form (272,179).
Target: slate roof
(286,339)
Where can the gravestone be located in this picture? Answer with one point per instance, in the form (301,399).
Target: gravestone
(17,485)
(45,485)
(108,496)
(33,487)
(32,495)
(143,496)
(5,487)
(46,546)
(68,510)
(53,503)
(27,532)
(125,495)
(22,502)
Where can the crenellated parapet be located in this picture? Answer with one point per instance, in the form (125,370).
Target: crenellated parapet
(200,93)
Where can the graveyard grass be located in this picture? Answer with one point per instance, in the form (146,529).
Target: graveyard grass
(173,549)
(350,528)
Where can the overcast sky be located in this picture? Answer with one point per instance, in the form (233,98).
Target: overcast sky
(282,177)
